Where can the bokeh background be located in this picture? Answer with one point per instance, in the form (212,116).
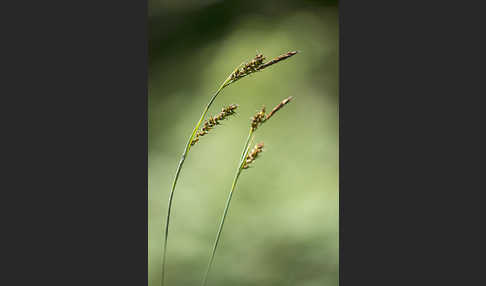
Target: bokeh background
(282,227)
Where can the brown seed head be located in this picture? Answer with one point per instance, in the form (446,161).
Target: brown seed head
(257,64)
(253,155)
(213,121)
(248,68)
(261,117)
(258,118)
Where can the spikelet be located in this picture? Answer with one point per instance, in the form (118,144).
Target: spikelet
(261,117)
(257,64)
(279,106)
(248,68)
(253,155)
(213,121)
(258,119)
(277,59)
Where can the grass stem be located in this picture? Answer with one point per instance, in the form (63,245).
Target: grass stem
(176,177)
(257,120)
(228,201)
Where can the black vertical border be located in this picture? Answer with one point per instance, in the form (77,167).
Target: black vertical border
(74,107)
(409,118)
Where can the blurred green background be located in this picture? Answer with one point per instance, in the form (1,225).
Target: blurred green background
(282,227)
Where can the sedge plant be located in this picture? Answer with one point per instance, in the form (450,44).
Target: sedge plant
(246,159)
(255,65)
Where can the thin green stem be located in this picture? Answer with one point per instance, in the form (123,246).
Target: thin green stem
(235,180)
(246,144)
(179,167)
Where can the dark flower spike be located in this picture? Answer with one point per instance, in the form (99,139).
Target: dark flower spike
(258,118)
(248,68)
(213,121)
(257,64)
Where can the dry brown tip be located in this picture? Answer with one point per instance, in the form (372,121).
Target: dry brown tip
(279,106)
(285,101)
(277,59)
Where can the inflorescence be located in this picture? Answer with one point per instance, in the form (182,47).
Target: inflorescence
(257,64)
(213,121)
(261,117)
(253,155)
(258,119)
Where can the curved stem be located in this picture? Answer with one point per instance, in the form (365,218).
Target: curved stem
(235,180)
(181,162)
